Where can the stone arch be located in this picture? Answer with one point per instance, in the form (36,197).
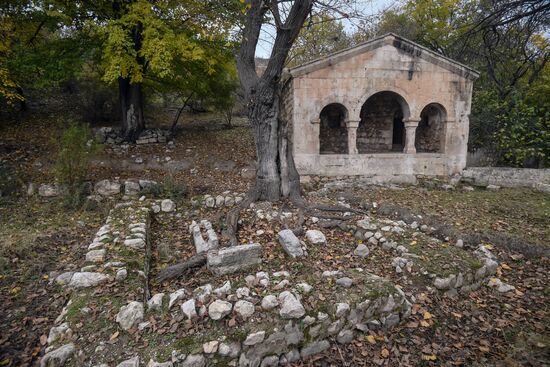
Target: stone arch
(381,127)
(333,133)
(430,133)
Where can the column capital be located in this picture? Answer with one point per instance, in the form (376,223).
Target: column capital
(411,122)
(352,124)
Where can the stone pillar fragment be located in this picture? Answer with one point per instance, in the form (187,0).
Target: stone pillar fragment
(410,132)
(352,136)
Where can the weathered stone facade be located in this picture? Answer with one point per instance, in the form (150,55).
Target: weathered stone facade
(386,107)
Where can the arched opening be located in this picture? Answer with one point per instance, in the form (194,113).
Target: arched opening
(381,128)
(333,134)
(430,130)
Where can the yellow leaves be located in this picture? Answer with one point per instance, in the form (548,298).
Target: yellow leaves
(114,336)
(505,266)
(427,315)
(424,323)
(15,290)
(413,243)
(371,339)
(429,357)
(385,353)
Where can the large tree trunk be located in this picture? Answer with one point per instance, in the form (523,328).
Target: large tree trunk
(276,175)
(131,103)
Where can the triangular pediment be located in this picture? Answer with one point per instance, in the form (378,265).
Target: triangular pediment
(400,43)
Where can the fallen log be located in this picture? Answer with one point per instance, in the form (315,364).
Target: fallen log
(176,270)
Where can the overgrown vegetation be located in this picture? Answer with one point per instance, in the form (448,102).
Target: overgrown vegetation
(75,149)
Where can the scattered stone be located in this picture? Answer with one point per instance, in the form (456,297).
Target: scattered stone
(107,188)
(291,308)
(46,190)
(224,289)
(121,274)
(279,274)
(131,188)
(493,187)
(130,315)
(329,273)
(342,309)
(59,356)
(254,338)
(188,309)
(316,237)
(194,360)
(361,250)
(202,293)
(244,309)
(175,296)
(232,259)
(270,361)
(459,243)
(269,302)
(282,284)
(231,349)
(345,337)
(65,278)
(290,243)
(219,309)
(210,347)
(87,279)
(344,282)
(242,292)
(500,286)
(304,288)
(167,206)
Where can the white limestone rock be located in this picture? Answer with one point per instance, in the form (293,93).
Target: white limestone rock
(361,250)
(291,307)
(132,362)
(130,315)
(155,302)
(59,356)
(219,309)
(244,309)
(269,302)
(176,296)
(107,188)
(229,349)
(316,237)
(152,363)
(167,206)
(290,243)
(46,190)
(189,309)
(57,331)
(87,279)
(254,338)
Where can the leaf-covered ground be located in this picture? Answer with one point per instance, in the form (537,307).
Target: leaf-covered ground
(486,328)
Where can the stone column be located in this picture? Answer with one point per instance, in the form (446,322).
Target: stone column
(410,132)
(352,136)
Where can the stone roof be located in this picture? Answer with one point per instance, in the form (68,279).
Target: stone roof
(401,43)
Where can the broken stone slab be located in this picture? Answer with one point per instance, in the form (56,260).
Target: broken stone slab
(96,256)
(193,360)
(87,279)
(57,331)
(155,302)
(290,243)
(107,188)
(58,357)
(269,302)
(255,338)
(316,237)
(229,349)
(231,259)
(175,296)
(244,309)
(135,243)
(131,188)
(200,244)
(130,315)
(152,363)
(188,309)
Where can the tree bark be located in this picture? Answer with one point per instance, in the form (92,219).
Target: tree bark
(276,175)
(131,103)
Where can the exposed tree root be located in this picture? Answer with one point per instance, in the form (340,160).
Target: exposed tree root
(175,271)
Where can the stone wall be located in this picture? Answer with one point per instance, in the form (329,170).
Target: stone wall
(508,177)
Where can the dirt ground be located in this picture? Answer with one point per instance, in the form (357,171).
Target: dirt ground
(38,236)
